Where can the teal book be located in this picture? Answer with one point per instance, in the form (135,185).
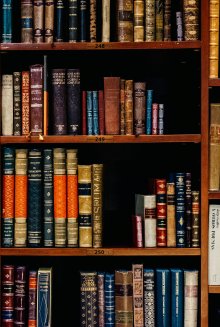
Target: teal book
(163,303)
(177,298)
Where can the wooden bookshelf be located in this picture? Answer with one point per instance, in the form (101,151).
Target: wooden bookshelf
(214,195)
(214,289)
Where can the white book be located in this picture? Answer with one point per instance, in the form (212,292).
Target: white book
(191,278)
(105,20)
(7,105)
(214,245)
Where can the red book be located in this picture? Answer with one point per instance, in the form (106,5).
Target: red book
(155,118)
(7,296)
(36,99)
(84,127)
(101,113)
(161,209)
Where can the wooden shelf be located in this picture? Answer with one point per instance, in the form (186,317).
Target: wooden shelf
(214,82)
(100,252)
(214,289)
(214,195)
(174,138)
(100,46)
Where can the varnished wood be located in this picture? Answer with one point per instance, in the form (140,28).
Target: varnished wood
(214,82)
(214,195)
(214,289)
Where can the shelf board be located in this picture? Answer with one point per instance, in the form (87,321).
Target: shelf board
(172,138)
(214,289)
(214,82)
(100,252)
(100,46)
(214,195)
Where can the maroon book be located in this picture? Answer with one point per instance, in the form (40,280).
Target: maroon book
(101,113)
(36,99)
(7,296)
(112,105)
(20,296)
(84,117)
(137,229)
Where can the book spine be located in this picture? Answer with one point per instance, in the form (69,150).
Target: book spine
(180,210)
(112,100)
(191,20)
(177,298)
(17,103)
(179,26)
(26,21)
(122,106)
(129,107)
(25,102)
(214,245)
(161,207)
(213,38)
(171,218)
(36,99)
(84,113)
(155,109)
(72,197)
(49,21)
(163,298)
(93,18)
(188,208)
(97,205)
(48,220)
(73,101)
(123,298)
(59,21)
(138,295)
(21,192)
(44,297)
(89,298)
(20,296)
(139,107)
(101,298)
(167,21)
(6,21)
(150,221)
(32,299)
(60,196)
(38,21)
(73,21)
(149,297)
(149,112)
(195,219)
(8,197)
(46,98)
(214,147)
(149,20)
(138,20)
(101,112)
(125,23)
(59,101)
(161,119)
(159,15)
(191,297)
(7,104)
(95,113)
(7,295)
(83,10)
(89,96)
(137,228)
(105,20)
(109,300)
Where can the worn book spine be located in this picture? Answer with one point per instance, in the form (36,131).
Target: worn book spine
(214,245)
(139,107)
(149,20)
(60,196)
(137,231)
(93,20)
(179,26)
(36,99)
(112,100)
(7,104)
(49,21)
(73,101)
(188,208)
(195,219)
(167,21)
(59,21)
(149,297)
(155,109)
(138,294)
(101,112)
(122,106)
(25,102)
(89,298)
(44,297)
(171,218)
(73,20)
(21,194)
(138,20)
(83,11)
(48,220)
(191,282)
(109,300)
(163,298)
(191,19)
(85,205)
(125,24)
(20,296)
(26,21)
(72,197)
(38,21)
(17,103)
(7,295)
(95,113)
(180,210)
(7,21)
(160,118)
(150,221)
(213,38)
(129,107)
(161,207)
(46,98)
(59,101)
(32,298)
(101,298)
(214,147)
(97,205)
(123,298)
(148,120)
(177,297)
(8,197)
(35,197)
(159,19)
(106,20)
(89,109)
(84,112)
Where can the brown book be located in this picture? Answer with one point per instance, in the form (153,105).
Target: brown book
(139,107)
(171,218)
(150,20)
(49,21)
(191,19)
(25,102)
(122,106)
(213,38)
(111,100)
(101,112)
(159,15)
(92,26)
(129,107)
(36,99)
(138,296)
(26,21)
(138,20)
(214,147)
(38,21)
(125,20)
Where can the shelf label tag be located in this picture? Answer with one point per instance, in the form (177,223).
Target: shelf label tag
(99,45)
(97,252)
(100,139)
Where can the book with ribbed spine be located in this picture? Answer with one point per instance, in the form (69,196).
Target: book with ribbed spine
(109,300)
(26,21)
(93,20)
(111,104)
(7,104)
(49,21)
(32,298)
(73,21)
(48,220)
(85,205)
(73,101)
(89,109)
(214,244)
(89,298)
(188,209)
(8,197)
(195,218)
(171,218)
(7,21)
(123,298)
(179,26)
(83,12)
(25,102)
(21,194)
(180,209)
(149,20)
(36,99)
(125,24)
(191,19)
(38,21)
(191,283)
(148,120)
(159,19)
(138,294)
(106,20)
(95,113)
(17,103)
(101,298)
(177,297)
(129,107)
(7,295)
(20,296)
(163,299)
(213,38)
(138,20)
(59,21)
(139,107)
(60,196)
(44,297)
(214,147)
(161,209)
(72,197)
(149,297)
(167,21)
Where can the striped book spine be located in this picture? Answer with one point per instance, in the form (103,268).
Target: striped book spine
(20,296)
(38,21)
(213,38)
(48,220)
(25,102)
(72,197)
(95,112)
(149,20)
(89,109)
(148,120)
(7,104)
(49,20)
(138,294)
(89,298)
(109,300)
(163,299)
(188,208)
(191,280)
(8,197)
(83,10)
(60,196)
(195,219)
(125,24)
(6,21)
(149,297)
(191,20)
(161,206)
(177,299)
(21,192)
(101,298)
(179,25)
(85,205)
(73,21)
(138,20)
(35,184)
(73,101)
(93,18)
(101,112)
(32,299)
(180,210)
(44,297)
(17,103)
(129,107)
(171,219)
(59,21)
(26,21)
(7,295)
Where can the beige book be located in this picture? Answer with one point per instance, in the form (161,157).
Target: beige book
(7,105)
(105,20)
(214,147)
(213,38)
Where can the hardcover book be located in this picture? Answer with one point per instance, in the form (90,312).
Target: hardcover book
(138,295)
(32,298)
(73,21)
(36,99)
(73,102)
(191,297)
(7,21)
(180,210)
(109,300)
(112,98)
(106,20)
(214,245)
(7,104)
(163,300)
(138,20)
(17,103)
(38,21)
(149,297)
(101,298)
(213,38)
(44,297)
(20,296)
(25,102)
(26,21)
(214,147)
(125,24)
(177,297)
(7,295)
(49,21)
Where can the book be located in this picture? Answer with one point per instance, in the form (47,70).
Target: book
(191,20)
(106,20)
(59,20)
(191,279)
(109,300)
(159,19)
(44,297)
(38,21)
(46,98)
(83,13)
(213,244)
(49,21)
(73,102)
(161,209)
(7,104)
(171,218)
(149,20)
(36,99)
(148,120)
(7,21)
(139,107)
(129,107)
(213,38)
(180,209)
(73,21)
(89,114)
(149,297)
(101,112)
(25,102)
(188,209)
(125,24)
(138,20)
(163,300)
(101,298)
(195,219)
(92,20)
(137,233)
(111,102)
(95,113)
(84,112)
(7,295)
(32,298)
(177,297)
(20,296)
(214,147)
(26,21)
(138,295)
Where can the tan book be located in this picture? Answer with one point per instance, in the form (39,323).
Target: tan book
(138,20)
(7,105)
(213,38)
(38,21)
(49,21)
(138,295)
(214,147)
(150,20)
(129,107)
(171,217)
(105,20)
(93,18)
(112,104)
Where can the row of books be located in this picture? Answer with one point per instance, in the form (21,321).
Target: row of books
(26,296)
(169,217)
(139,297)
(127,21)
(124,107)
(49,200)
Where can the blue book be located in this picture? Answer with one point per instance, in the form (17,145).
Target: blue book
(180,210)
(95,113)
(89,112)
(149,98)
(149,297)
(83,9)
(6,21)
(177,298)
(44,297)
(109,300)
(59,21)
(163,298)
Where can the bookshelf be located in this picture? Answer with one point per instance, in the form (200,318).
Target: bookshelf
(183,147)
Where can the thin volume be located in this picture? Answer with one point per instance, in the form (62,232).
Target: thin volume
(46,97)
(38,21)
(25,102)
(49,21)
(59,21)
(17,103)
(93,20)
(213,38)
(7,104)
(6,21)
(106,20)
(83,9)
(73,20)
(26,21)
(84,113)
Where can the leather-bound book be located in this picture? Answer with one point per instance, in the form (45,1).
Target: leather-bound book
(139,107)
(7,104)
(180,210)
(162,297)
(160,118)
(44,297)
(171,218)
(177,296)
(17,103)
(188,208)
(167,21)
(149,297)
(122,106)
(36,99)
(195,219)
(49,21)
(105,20)
(84,22)
(101,298)
(32,298)
(129,107)
(112,104)
(59,21)
(149,96)
(7,296)
(73,102)
(93,18)
(26,21)
(110,299)
(25,102)
(161,206)
(123,298)
(7,20)
(191,297)
(125,24)
(149,20)
(138,294)
(95,113)
(88,298)
(213,38)
(101,112)
(20,296)
(138,20)
(214,147)
(137,231)
(89,109)
(191,19)
(8,197)
(84,113)
(159,14)
(155,109)
(59,101)
(38,21)
(73,20)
